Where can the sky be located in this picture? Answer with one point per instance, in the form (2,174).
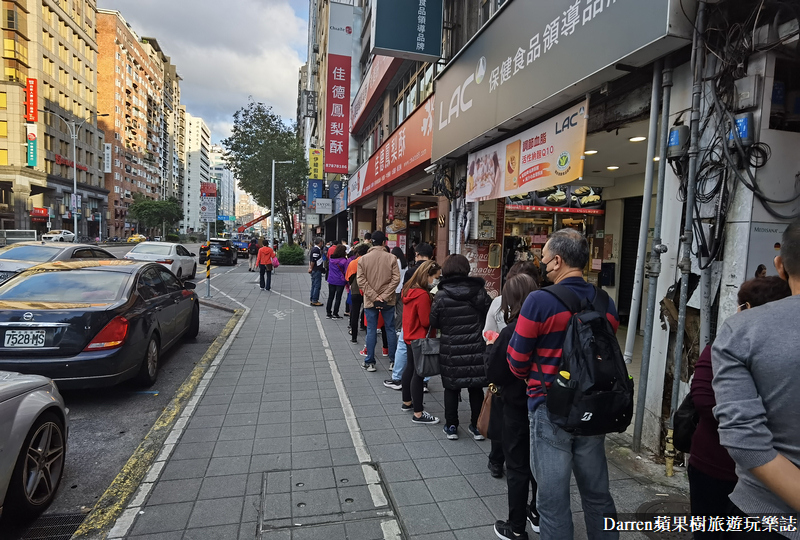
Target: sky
(227,52)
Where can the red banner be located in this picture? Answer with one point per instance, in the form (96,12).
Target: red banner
(408,148)
(337,115)
(380,72)
(32,101)
(208,189)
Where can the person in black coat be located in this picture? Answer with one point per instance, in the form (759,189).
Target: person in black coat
(459,311)
(509,416)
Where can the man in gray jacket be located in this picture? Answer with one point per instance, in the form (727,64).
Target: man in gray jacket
(757,386)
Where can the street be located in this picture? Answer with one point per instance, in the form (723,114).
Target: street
(106,425)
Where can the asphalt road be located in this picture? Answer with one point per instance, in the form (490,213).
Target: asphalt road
(106,425)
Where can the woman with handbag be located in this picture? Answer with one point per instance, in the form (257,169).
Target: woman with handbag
(711,471)
(337,268)
(416,325)
(356,298)
(459,311)
(509,413)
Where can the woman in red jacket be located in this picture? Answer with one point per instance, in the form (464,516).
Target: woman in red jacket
(712,472)
(416,323)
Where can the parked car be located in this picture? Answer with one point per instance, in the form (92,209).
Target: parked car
(22,255)
(33,428)
(58,236)
(137,238)
(222,251)
(94,323)
(174,256)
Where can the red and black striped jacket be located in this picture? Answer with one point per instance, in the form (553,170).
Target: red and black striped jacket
(539,336)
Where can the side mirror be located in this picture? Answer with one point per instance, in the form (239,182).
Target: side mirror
(189,285)
(193,254)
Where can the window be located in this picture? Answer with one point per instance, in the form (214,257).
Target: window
(3,157)
(172,283)
(3,128)
(3,100)
(150,284)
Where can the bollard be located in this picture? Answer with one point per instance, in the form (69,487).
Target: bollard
(208,271)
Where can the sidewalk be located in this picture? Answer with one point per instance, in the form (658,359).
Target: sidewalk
(292,439)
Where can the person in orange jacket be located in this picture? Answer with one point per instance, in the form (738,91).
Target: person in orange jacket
(265,256)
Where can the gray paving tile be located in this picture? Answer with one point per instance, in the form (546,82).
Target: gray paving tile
(274,445)
(444,535)
(466,513)
(365,530)
(233,448)
(200,435)
(389,452)
(450,488)
(270,462)
(208,513)
(423,519)
(252,508)
(349,475)
(173,491)
(224,466)
(202,422)
(336,426)
(414,434)
(471,463)
(163,518)
(310,460)
(425,450)
(237,433)
(271,535)
(244,419)
(484,485)
(436,467)
(410,493)
(222,532)
(308,428)
(184,468)
(216,487)
(497,505)
(278,482)
(310,479)
(174,535)
(211,410)
(344,456)
(273,430)
(323,532)
(400,471)
(315,503)
(355,498)
(482,533)
(186,450)
(305,443)
(241,408)
(339,440)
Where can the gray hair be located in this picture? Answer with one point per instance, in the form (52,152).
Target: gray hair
(318,240)
(571,246)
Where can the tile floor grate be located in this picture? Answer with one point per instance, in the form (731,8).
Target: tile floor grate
(54,527)
(665,507)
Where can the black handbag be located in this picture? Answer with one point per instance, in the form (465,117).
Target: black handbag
(426,356)
(684,424)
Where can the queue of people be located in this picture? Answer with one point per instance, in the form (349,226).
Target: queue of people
(745,450)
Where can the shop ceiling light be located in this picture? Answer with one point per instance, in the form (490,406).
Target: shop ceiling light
(590,152)
(637,139)
(656,158)
(612,168)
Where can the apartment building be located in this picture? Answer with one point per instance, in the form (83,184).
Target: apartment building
(131,91)
(226,184)
(196,157)
(51,53)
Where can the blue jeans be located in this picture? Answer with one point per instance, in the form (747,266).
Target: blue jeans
(372,331)
(263,269)
(555,454)
(401,359)
(316,284)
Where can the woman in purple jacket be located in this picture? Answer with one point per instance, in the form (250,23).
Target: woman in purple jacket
(337,267)
(712,472)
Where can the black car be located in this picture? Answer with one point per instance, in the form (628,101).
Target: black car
(222,252)
(94,323)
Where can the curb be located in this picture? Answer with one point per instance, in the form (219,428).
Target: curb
(215,305)
(115,499)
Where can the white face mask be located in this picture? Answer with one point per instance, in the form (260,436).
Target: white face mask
(435,283)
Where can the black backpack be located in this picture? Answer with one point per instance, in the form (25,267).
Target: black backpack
(597,396)
(253,249)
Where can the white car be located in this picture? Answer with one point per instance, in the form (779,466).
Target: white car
(59,236)
(174,256)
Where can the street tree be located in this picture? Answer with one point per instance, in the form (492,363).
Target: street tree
(259,136)
(150,213)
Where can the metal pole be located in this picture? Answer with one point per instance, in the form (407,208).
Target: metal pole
(208,260)
(74,133)
(272,209)
(686,239)
(654,265)
(644,224)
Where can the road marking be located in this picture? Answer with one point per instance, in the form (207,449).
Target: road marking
(391,530)
(229,297)
(116,510)
(290,298)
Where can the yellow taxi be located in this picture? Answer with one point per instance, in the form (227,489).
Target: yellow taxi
(136,238)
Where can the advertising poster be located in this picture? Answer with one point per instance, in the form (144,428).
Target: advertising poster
(340,200)
(324,206)
(32,135)
(545,155)
(315,164)
(765,244)
(410,29)
(478,257)
(337,108)
(396,215)
(315,188)
(408,147)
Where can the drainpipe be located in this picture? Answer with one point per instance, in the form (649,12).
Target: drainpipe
(644,224)
(698,54)
(654,264)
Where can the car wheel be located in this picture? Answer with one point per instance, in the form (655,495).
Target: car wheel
(194,272)
(148,372)
(61,239)
(194,325)
(179,275)
(39,468)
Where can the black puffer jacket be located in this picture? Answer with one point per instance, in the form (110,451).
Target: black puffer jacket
(459,311)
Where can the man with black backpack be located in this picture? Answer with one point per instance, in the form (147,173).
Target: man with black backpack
(565,339)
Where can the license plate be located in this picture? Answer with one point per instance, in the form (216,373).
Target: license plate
(24,338)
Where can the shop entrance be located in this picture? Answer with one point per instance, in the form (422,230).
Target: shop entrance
(632,216)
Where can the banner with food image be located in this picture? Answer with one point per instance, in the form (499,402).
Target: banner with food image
(396,214)
(547,155)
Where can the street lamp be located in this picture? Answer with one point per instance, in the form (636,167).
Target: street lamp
(74,128)
(272,205)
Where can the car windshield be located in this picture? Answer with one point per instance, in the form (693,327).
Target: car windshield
(65,286)
(152,249)
(30,253)
(54,232)
(220,242)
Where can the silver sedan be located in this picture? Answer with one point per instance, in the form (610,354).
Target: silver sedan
(33,444)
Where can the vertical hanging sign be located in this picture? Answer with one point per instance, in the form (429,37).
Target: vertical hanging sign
(337,98)
(32,133)
(32,101)
(107,158)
